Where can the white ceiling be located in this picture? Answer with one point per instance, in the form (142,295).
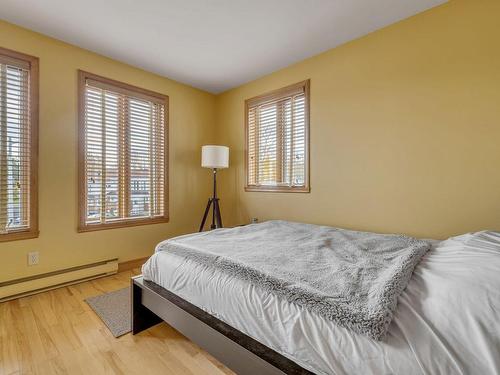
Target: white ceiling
(210,44)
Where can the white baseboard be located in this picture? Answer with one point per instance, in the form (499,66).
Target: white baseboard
(39,283)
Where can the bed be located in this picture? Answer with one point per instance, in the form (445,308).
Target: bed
(446,320)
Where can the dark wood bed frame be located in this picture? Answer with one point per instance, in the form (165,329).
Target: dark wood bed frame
(152,304)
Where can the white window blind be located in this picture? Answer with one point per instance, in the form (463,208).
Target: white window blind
(17,145)
(125,178)
(277,140)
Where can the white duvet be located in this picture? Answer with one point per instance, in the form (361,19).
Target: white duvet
(447,320)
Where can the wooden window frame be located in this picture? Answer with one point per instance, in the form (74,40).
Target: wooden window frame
(270,96)
(32,231)
(82,225)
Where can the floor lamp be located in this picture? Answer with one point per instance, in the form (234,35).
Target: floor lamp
(214,157)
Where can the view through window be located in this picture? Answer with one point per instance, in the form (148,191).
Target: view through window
(277,133)
(18,145)
(123,151)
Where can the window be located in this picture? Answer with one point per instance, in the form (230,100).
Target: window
(18,145)
(122,154)
(277,140)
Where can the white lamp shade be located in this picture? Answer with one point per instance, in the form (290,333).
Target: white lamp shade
(214,156)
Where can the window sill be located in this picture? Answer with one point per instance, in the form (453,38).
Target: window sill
(21,235)
(278,189)
(121,224)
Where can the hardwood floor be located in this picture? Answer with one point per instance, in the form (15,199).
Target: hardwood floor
(56,332)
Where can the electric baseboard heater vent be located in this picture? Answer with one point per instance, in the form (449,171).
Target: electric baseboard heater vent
(51,280)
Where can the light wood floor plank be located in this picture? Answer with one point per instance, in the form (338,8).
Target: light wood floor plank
(56,332)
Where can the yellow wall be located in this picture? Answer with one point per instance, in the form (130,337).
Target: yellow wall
(191,125)
(405,129)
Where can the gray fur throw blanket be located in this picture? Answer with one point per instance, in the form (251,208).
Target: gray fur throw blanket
(351,278)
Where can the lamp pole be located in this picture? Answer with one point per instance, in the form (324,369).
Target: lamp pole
(213,226)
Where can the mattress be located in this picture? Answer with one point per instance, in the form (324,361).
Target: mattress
(446,321)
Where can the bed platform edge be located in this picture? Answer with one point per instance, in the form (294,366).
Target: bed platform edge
(152,304)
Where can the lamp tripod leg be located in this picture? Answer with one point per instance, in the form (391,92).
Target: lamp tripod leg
(218,216)
(207,210)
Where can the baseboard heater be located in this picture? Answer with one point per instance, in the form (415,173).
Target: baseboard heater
(51,280)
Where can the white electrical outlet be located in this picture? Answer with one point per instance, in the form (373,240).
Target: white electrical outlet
(33,258)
